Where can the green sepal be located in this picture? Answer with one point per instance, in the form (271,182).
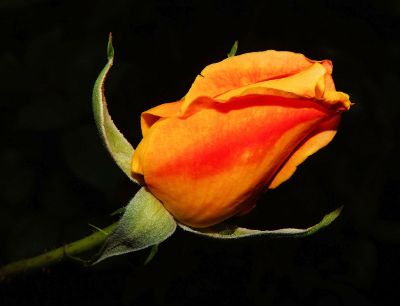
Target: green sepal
(119,148)
(233,49)
(144,223)
(227,231)
(153,252)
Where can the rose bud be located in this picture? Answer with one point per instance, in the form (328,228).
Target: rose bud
(244,126)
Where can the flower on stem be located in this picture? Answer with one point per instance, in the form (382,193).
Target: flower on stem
(244,126)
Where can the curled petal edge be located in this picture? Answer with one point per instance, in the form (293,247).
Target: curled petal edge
(337,101)
(317,139)
(250,68)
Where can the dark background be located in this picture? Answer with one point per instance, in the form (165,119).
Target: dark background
(56,177)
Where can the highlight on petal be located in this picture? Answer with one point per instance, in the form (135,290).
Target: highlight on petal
(209,166)
(318,138)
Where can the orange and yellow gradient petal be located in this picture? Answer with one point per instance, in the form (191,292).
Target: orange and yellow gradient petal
(210,165)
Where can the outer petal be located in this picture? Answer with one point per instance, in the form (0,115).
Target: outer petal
(314,82)
(213,162)
(319,138)
(152,115)
(250,68)
(137,160)
(309,83)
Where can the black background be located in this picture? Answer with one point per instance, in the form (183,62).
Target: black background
(56,177)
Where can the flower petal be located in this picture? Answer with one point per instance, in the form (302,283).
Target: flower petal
(222,154)
(318,139)
(334,100)
(246,69)
(152,115)
(309,83)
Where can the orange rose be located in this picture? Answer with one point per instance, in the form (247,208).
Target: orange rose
(244,126)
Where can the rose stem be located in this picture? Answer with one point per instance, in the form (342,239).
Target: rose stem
(67,251)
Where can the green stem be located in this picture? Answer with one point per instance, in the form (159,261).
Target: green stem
(56,255)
